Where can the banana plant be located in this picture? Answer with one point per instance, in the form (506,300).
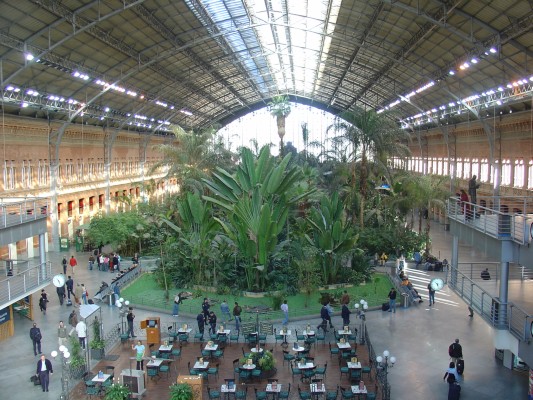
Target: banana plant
(331,235)
(255,202)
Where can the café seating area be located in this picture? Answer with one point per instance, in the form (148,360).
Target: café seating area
(336,367)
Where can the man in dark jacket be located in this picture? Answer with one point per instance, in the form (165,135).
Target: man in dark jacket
(324,314)
(70,287)
(201,323)
(61,294)
(345,314)
(455,351)
(130,317)
(44,369)
(35,336)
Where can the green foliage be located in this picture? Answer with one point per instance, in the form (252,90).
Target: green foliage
(77,360)
(267,361)
(96,342)
(117,392)
(114,229)
(180,391)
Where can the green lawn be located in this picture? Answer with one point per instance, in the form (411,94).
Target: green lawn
(144,291)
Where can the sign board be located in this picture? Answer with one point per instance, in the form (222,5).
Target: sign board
(4,315)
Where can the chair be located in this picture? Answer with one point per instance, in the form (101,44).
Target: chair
(206,353)
(236,369)
(92,390)
(212,393)
(322,371)
(367,370)
(372,395)
(262,339)
(241,394)
(213,371)
(320,337)
(183,338)
(295,371)
(345,371)
(124,338)
(288,357)
(165,355)
(333,350)
(165,367)
(176,353)
(172,336)
(153,373)
(303,395)
(299,337)
(109,369)
(244,354)
(308,374)
(218,354)
(234,337)
(277,336)
(256,373)
(213,336)
(222,340)
(355,376)
(260,395)
(332,395)
(192,371)
(199,336)
(347,394)
(285,394)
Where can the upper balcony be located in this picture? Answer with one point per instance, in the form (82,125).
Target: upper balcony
(22,218)
(502,218)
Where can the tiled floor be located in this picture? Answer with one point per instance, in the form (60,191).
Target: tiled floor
(418,336)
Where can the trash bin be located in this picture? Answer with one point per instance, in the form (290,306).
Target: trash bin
(111,299)
(405,300)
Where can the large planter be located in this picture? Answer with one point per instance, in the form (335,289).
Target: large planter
(269,374)
(77,372)
(97,354)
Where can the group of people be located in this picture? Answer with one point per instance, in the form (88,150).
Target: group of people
(455,369)
(466,201)
(208,317)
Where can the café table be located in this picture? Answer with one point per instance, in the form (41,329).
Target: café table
(298,349)
(247,367)
(155,362)
(101,380)
(358,391)
(165,348)
(317,389)
(201,366)
(184,331)
(308,366)
(344,346)
(344,333)
(227,390)
(211,348)
(256,350)
(308,332)
(285,333)
(223,332)
(273,390)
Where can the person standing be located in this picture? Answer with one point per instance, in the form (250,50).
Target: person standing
(64,262)
(130,317)
(36,336)
(431,292)
(237,315)
(83,293)
(135,260)
(77,294)
(201,323)
(139,354)
(392,300)
(73,262)
(418,258)
(101,263)
(62,334)
(472,189)
(212,323)
(73,320)
(455,351)
(205,309)
(70,287)
(96,255)
(345,299)
(81,330)
(42,304)
(61,294)
(345,314)
(91,262)
(44,369)
(176,307)
(224,309)
(116,262)
(451,375)
(285,308)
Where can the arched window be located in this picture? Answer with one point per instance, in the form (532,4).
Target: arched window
(484,171)
(475,167)
(467,174)
(459,168)
(506,172)
(519,171)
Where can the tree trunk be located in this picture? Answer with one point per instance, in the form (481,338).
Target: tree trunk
(281,132)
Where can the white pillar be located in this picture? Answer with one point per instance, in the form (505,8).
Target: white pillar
(29,247)
(12,250)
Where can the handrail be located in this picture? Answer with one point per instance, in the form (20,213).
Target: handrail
(500,315)
(14,211)
(24,283)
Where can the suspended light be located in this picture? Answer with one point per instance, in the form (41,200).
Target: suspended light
(106,109)
(492,50)
(29,56)
(474,61)
(451,72)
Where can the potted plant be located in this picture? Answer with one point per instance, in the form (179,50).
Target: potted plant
(117,392)
(267,363)
(181,391)
(97,344)
(76,364)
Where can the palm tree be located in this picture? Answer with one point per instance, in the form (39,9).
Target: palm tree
(373,137)
(280,108)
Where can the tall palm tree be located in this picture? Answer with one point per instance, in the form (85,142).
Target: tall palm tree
(280,108)
(373,138)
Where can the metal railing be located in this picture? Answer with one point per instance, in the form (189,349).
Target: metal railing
(24,283)
(500,315)
(382,381)
(14,211)
(508,218)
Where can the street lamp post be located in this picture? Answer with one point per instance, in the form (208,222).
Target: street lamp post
(383,365)
(65,355)
(123,312)
(361,308)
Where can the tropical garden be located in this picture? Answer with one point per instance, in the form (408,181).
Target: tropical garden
(254,222)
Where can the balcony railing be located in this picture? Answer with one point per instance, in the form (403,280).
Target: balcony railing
(14,211)
(24,283)
(505,218)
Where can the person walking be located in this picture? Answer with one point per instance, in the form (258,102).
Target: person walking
(139,354)
(81,330)
(62,335)
(237,315)
(326,317)
(176,308)
(36,337)
(392,300)
(345,314)
(201,323)
(42,304)
(91,262)
(70,287)
(44,369)
(130,317)
(285,308)
(455,351)
(431,293)
(212,323)
(78,294)
(73,320)
(61,294)
(116,262)
(451,375)
(345,298)
(83,293)
(73,262)
(224,309)
(205,308)
(64,262)
(96,255)
(472,189)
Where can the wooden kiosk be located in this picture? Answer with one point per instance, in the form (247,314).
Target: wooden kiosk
(153,330)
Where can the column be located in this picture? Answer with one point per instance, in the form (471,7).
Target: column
(454,261)
(12,249)
(506,256)
(42,255)
(29,247)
